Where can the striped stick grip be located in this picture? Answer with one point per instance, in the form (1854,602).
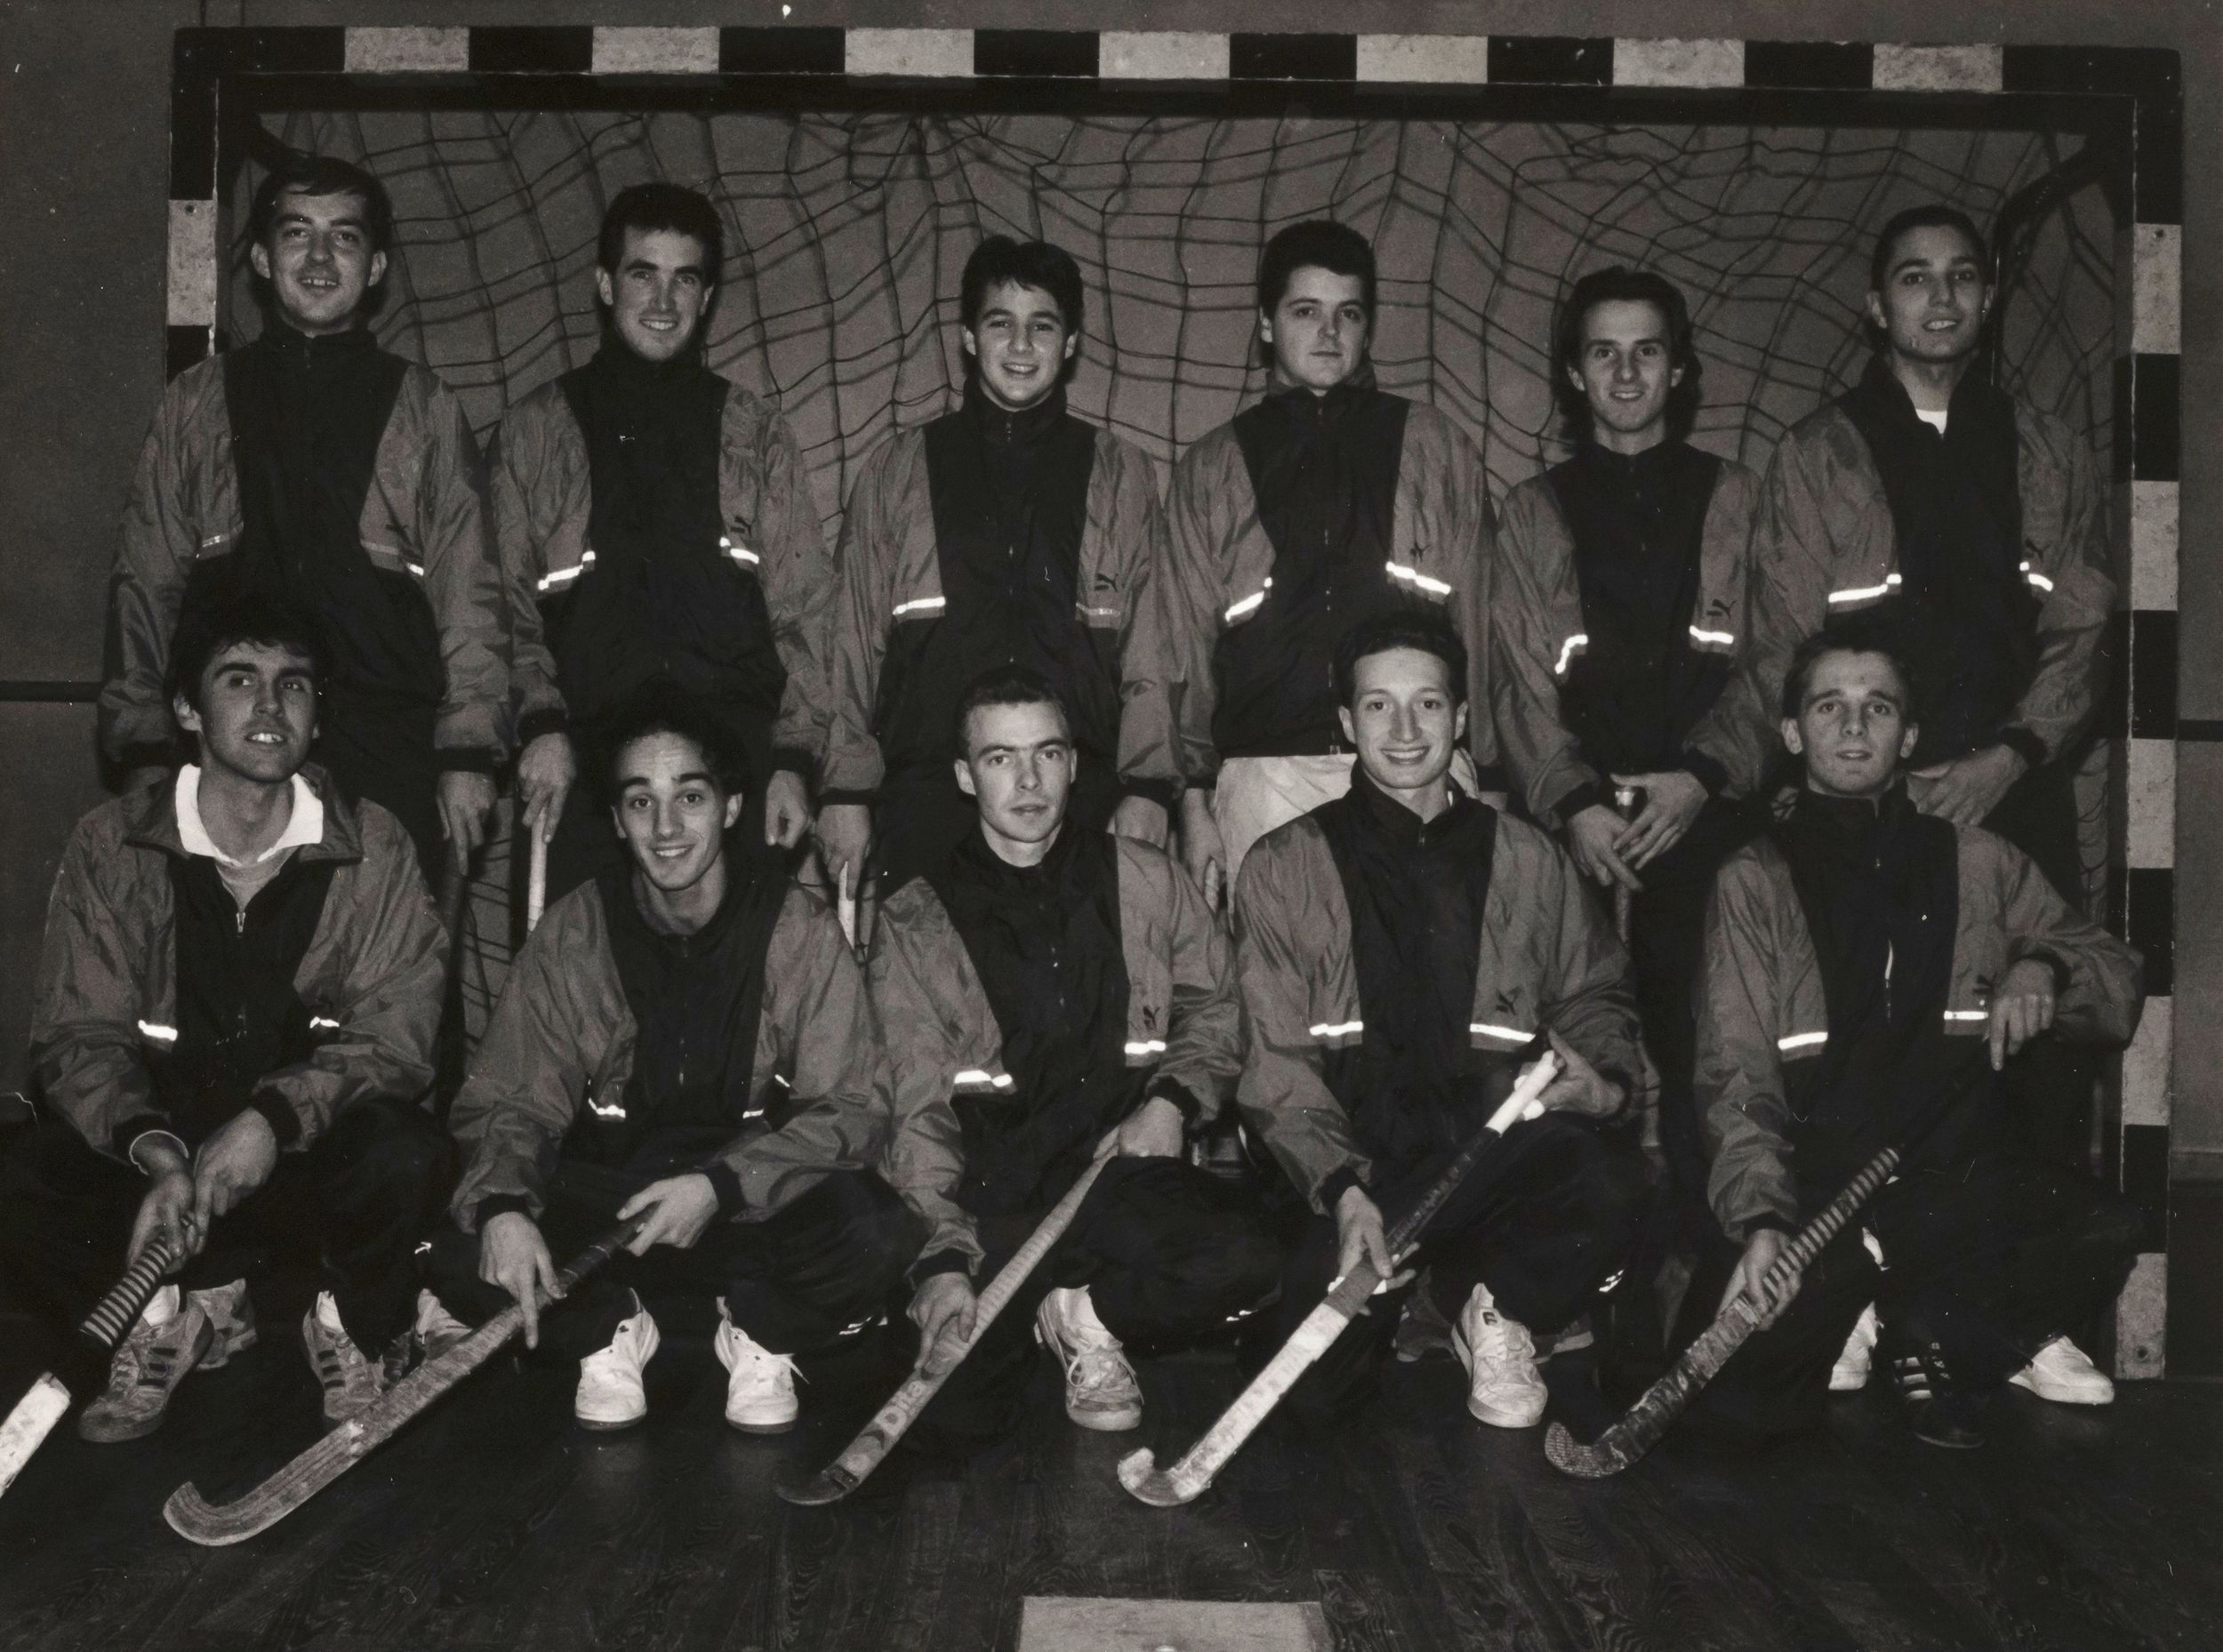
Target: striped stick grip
(107,1322)
(1840,1210)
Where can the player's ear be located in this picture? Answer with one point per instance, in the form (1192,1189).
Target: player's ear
(1266,328)
(181,709)
(604,289)
(1458,724)
(1073,343)
(1875,312)
(964,771)
(1792,740)
(258,258)
(378,270)
(733,809)
(1909,740)
(972,344)
(1350,728)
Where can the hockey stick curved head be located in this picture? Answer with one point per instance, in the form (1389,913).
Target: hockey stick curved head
(1139,1472)
(1569,1457)
(196,1520)
(829,1485)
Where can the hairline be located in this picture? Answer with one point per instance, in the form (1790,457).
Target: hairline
(1898,673)
(1065,721)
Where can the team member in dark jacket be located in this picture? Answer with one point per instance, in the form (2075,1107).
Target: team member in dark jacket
(1620,595)
(655,519)
(1400,948)
(232,1027)
(1868,969)
(686,1036)
(1326,501)
(1008,532)
(1045,992)
(312,467)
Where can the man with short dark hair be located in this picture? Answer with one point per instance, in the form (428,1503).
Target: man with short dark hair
(1050,995)
(685,1038)
(655,520)
(232,1029)
(1402,949)
(313,468)
(1326,501)
(1008,532)
(1868,970)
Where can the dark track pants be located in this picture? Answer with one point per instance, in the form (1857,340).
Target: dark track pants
(1543,1220)
(353,1203)
(1171,1255)
(794,1281)
(1991,1263)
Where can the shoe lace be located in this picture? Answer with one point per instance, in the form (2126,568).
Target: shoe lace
(1923,1374)
(339,1363)
(1097,1370)
(1501,1344)
(131,1361)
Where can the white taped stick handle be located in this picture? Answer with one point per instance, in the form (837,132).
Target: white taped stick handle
(535,880)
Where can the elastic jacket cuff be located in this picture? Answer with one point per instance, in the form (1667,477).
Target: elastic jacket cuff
(498,1205)
(726,1183)
(284,1123)
(793,760)
(547,720)
(1165,1089)
(134,1133)
(1590,794)
(2024,744)
(466,759)
(867,796)
(941,1262)
(1769,1223)
(1708,771)
(1165,793)
(1337,1184)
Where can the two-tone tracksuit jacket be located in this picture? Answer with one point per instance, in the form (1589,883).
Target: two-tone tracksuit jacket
(1789,1114)
(162,1007)
(1374,1044)
(1618,613)
(1119,984)
(990,538)
(653,520)
(344,480)
(1302,515)
(755,1031)
(1827,543)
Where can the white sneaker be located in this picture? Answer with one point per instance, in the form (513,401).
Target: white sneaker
(611,1394)
(759,1385)
(1504,1388)
(1849,1375)
(1100,1390)
(353,1381)
(2063,1373)
(437,1331)
(230,1312)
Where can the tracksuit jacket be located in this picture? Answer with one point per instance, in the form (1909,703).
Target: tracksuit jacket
(1764,1022)
(106,1009)
(562,1047)
(1824,546)
(1182,1034)
(423,535)
(542,498)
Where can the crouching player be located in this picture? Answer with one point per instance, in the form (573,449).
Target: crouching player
(686,1038)
(231,1033)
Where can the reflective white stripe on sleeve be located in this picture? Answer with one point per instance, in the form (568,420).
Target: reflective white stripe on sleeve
(322,1023)
(1714,639)
(1509,1035)
(564,576)
(159,1034)
(1414,576)
(1800,1041)
(616,1110)
(1866,593)
(921,604)
(979,1078)
(1338,1032)
(1146,1046)
(218,539)
(1968,1015)
(2036,578)
(1568,650)
(1249,605)
(739,553)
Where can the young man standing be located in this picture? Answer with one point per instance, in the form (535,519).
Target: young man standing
(1399,948)
(313,468)
(1620,595)
(1326,502)
(1005,533)
(232,1029)
(1868,970)
(685,1038)
(1050,995)
(655,519)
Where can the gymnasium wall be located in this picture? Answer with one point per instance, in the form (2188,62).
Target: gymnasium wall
(84,128)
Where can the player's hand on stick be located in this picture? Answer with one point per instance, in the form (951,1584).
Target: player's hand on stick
(1764,1277)
(466,798)
(546,770)
(166,1211)
(2021,1008)
(1671,802)
(680,1208)
(844,840)
(231,1165)
(1154,1130)
(1967,790)
(1359,1236)
(512,1255)
(1142,819)
(786,809)
(1580,1088)
(944,1309)
(1201,850)
(1591,838)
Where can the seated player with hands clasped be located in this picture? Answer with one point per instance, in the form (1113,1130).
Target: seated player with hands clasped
(685,1038)
(233,1025)
(1868,969)
(1399,948)
(1050,995)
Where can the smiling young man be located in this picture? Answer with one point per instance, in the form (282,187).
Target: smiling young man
(655,520)
(315,468)
(1325,502)
(1401,949)
(1868,970)
(686,1037)
(232,1028)
(1047,993)
(1008,532)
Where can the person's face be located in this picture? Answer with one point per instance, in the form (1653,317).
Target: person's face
(671,811)
(1933,299)
(659,293)
(1022,343)
(1318,332)
(1853,728)
(256,713)
(1018,766)
(1405,719)
(1624,370)
(318,260)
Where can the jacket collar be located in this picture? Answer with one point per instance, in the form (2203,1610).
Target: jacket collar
(150,820)
(1398,824)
